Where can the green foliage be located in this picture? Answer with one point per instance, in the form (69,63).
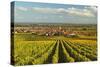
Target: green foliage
(55,56)
(27,50)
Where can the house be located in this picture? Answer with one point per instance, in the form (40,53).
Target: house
(71,35)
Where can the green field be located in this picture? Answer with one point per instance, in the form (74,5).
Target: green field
(33,49)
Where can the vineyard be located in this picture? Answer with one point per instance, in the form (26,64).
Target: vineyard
(48,33)
(53,51)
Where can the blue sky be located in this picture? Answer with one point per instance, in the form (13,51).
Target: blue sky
(33,12)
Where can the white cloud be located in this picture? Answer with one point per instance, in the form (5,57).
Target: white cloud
(71,11)
(94,8)
(22,8)
(80,12)
(89,11)
(44,10)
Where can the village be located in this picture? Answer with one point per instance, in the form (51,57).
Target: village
(55,31)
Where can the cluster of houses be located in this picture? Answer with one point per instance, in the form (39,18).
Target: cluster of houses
(44,31)
(47,31)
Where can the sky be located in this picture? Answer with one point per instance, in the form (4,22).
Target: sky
(34,12)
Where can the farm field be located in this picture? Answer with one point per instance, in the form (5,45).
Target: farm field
(51,33)
(33,49)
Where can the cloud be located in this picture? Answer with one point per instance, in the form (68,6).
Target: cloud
(71,11)
(22,8)
(80,12)
(93,8)
(89,11)
(44,10)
